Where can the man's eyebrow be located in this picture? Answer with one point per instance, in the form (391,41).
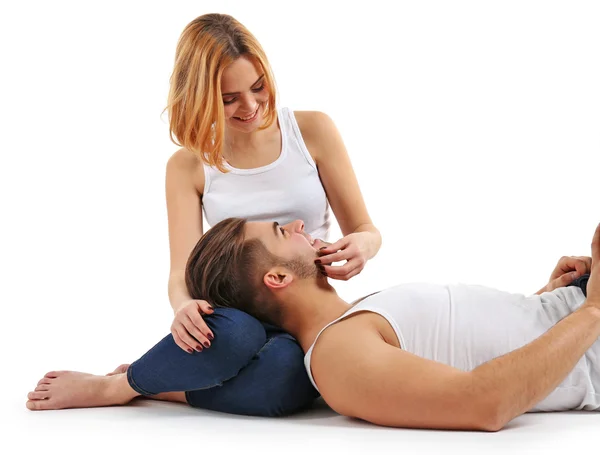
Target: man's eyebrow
(275,226)
(237,93)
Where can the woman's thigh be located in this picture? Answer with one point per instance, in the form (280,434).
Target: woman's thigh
(168,368)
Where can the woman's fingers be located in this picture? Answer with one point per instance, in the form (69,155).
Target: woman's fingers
(344,272)
(188,339)
(333,247)
(197,334)
(199,323)
(179,341)
(205,307)
(189,330)
(339,256)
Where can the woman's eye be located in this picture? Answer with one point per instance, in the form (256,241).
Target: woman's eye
(258,89)
(282,231)
(229,101)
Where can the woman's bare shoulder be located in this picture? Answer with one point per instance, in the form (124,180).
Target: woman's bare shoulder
(315,126)
(186,165)
(312,123)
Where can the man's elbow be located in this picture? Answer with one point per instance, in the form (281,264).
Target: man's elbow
(489,415)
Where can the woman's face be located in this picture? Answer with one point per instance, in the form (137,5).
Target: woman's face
(244,94)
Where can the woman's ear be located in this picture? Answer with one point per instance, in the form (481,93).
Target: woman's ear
(277,279)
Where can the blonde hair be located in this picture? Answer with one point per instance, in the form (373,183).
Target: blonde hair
(205,48)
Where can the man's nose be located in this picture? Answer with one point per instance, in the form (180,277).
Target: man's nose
(295,226)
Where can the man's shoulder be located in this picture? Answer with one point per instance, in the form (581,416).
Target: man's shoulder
(341,352)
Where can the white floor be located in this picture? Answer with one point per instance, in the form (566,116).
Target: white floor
(148,427)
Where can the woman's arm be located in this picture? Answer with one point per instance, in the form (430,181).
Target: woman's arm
(340,183)
(184,186)
(184,212)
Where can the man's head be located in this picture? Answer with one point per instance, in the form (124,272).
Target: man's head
(248,265)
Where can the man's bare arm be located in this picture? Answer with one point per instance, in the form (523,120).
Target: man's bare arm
(362,376)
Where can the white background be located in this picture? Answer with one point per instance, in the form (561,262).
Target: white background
(473,127)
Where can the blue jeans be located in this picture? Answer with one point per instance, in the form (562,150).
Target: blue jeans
(250,368)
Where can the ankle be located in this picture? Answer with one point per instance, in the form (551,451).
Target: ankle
(118,389)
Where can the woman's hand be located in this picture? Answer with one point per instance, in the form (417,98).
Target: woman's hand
(567,269)
(189,330)
(354,248)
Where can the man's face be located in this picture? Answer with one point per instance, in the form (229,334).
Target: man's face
(290,243)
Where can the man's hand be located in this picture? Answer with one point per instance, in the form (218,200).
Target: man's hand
(567,269)
(593,285)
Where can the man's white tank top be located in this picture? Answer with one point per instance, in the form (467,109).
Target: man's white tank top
(464,326)
(287,189)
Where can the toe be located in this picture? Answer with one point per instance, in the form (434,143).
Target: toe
(55,374)
(33,405)
(38,395)
(38,405)
(42,388)
(44,381)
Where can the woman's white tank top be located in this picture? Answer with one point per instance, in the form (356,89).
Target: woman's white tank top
(285,190)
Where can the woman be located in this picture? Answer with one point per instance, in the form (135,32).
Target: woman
(242,157)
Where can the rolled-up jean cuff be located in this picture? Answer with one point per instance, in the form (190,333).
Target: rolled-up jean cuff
(134,386)
(187,398)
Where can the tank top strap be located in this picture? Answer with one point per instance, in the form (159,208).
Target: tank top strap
(289,127)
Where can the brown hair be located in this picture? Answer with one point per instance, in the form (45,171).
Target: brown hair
(227,271)
(205,48)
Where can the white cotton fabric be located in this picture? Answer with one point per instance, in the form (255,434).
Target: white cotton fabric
(465,326)
(285,190)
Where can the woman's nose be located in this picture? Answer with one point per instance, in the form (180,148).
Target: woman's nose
(249,102)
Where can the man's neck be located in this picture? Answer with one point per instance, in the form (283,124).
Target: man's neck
(310,308)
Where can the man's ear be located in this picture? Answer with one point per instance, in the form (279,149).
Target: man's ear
(277,278)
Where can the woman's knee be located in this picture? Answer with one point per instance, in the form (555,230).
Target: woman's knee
(236,334)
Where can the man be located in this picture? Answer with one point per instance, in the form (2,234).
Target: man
(421,356)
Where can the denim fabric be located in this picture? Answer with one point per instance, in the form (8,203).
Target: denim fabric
(251,368)
(581,282)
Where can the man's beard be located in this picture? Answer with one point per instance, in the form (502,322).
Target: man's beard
(303,268)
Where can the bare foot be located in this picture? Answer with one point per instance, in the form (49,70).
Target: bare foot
(120,369)
(71,389)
